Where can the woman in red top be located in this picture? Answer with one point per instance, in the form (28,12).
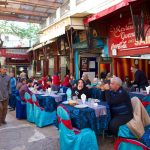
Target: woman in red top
(56,79)
(66,81)
(55,82)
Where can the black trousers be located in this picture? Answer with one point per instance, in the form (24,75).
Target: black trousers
(117,121)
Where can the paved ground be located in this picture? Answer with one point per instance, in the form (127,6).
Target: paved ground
(21,135)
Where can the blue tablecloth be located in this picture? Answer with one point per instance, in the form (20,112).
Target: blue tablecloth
(96,93)
(135,94)
(48,102)
(86,118)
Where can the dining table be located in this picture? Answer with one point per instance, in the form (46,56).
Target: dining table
(95,117)
(50,101)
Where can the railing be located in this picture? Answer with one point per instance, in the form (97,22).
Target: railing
(52,18)
(17,43)
(79,1)
(65,8)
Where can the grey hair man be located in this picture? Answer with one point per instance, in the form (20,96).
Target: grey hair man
(4,93)
(120,104)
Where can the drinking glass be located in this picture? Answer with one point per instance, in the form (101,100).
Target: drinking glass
(74,98)
(137,89)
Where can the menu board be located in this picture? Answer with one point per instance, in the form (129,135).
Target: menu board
(84,64)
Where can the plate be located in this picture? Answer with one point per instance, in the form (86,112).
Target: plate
(65,102)
(81,106)
(44,95)
(96,100)
(60,93)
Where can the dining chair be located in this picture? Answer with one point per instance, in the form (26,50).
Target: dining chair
(20,108)
(126,140)
(42,117)
(29,107)
(146,102)
(69,94)
(71,138)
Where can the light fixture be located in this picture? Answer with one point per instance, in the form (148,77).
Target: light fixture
(120,16)
(136,62)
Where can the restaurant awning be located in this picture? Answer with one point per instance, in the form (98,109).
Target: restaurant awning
(107,8)
(40,45)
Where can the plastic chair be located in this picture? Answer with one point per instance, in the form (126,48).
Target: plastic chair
(63,89)
(29,107)
(146,102)
(128,141)
(20,108)
(42,118)
(69,94)
(70,138)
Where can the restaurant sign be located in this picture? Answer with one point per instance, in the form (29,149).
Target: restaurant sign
(13,53)
(122,36)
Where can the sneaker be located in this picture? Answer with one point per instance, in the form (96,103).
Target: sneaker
(12,109)
(4,122)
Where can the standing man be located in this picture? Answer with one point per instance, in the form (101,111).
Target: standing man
(4,93)
(12,99)
(139,77)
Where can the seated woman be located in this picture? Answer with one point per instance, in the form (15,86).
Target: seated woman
(86,79)
(127,83)
(55,82)
(48,83)
(72,81)
(66,82)
(80,89)
(95,82)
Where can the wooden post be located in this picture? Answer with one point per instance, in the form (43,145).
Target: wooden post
(71,51)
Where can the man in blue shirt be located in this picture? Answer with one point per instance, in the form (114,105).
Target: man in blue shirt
(12,99)
(120,104)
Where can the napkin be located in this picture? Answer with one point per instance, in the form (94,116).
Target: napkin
(83,98)
(49,90)
(148,89)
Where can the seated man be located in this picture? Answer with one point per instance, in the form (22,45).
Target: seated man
(25,88)
(80,89)
(120,104)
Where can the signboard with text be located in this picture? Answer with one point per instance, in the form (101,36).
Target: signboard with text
(122,36)
(13,53)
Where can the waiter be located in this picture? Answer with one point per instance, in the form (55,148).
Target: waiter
(139,77)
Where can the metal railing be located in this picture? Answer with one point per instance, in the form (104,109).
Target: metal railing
(79,1)
(52,18)
(17,43)
(65,8)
